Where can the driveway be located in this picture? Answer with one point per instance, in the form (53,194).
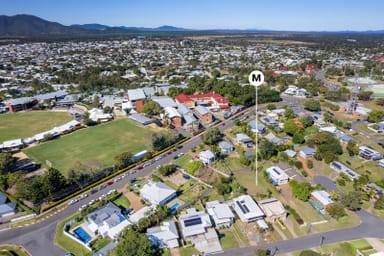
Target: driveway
(326,182)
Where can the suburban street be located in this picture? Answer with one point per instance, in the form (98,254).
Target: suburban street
(43,243)
(370,226)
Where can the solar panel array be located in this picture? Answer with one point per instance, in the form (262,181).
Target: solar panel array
(192,222)
(242,207)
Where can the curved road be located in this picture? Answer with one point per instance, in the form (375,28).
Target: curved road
(371,226)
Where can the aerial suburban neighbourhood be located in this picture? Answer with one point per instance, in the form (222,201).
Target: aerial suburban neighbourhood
(127,141)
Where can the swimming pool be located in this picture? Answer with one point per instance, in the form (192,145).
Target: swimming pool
(174,207)
(82,235)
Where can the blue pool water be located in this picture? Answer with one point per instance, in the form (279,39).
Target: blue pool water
(174,207)
(82,235)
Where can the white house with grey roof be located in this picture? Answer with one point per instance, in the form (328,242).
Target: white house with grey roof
(220,213)
(207,156)
(243,139)
(226,146)
(277,175)
(322,197)
(165,101)
(157,193)
(247,209)
(194,223)
(136,94)
(164,236)
(107,221)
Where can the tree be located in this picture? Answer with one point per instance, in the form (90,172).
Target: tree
(307,121)
(309,253)
(271,106)
(267,149)
(289,113)
(7,163)
(298,137)
(123,160)
(290,127)
(379,204)
(364,95)
(166,170)
(211,136)
(375,116)
(312,105)
(96,102)
(133,243)
(336,210)
(151,108)
(262,252)
(53,181)
(107,109)
(352,148)
(352,200)
(301,190)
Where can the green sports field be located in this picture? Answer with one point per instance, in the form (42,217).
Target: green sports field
(93,146)
(26,124)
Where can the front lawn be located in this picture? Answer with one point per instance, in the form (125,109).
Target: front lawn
(228,240)
(12,250)
(122,201)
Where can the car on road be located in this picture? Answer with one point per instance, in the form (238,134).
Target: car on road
(169,152)
(139,167)
(109,183)
(102,187)
(82,196)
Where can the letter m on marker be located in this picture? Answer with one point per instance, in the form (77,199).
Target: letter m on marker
(256,78)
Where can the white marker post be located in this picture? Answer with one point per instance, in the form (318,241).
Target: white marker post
(256,78)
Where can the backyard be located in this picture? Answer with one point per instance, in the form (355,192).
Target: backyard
(26,124)
(94,146)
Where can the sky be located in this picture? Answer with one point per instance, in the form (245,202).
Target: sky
(298,15)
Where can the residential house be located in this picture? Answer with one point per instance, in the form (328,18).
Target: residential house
(277,175)
(164,236)
(107,221)
(381,163)
(274,139)
(207,156)
(273,209)
(226,147)
(6,209)
(194,223)
(244,140)
(256,127)
(290,153)
(220,213)
(339,167)
(322,197)
(157,193)
(190,123)
(196,227)
(269,121)
(369,154)
(306,153)
(203,114)
(247,209)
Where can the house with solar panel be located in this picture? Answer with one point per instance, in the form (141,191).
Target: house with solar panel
(196,227)
(107,221)
(369,153)
(247,209)
(220,213)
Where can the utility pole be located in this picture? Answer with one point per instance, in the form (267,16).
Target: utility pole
(256,78)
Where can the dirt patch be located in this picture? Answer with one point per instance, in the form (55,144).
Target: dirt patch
(177,178)
(135,201)
(175,252)
(305,167)
(208,176)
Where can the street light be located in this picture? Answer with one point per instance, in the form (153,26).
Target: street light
(256,78)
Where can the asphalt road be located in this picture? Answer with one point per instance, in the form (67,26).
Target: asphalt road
(38,238)
(371,226)
(358,130)
(329,184)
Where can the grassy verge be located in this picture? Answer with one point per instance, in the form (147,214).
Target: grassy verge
(350,220)
(188,251)
(13,250)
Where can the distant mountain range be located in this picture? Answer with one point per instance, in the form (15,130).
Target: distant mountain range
(29,25)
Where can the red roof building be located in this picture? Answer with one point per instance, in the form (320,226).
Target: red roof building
(214,99)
